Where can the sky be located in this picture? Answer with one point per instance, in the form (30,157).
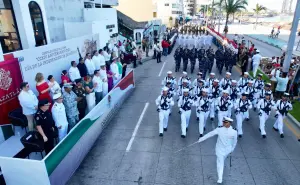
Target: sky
(270,4)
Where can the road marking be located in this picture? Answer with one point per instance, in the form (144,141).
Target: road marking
(137,127)
(292,129)
(161,69)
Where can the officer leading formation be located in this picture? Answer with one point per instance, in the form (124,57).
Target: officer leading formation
(222,99)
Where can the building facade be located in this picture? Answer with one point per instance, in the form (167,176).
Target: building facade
(168,10)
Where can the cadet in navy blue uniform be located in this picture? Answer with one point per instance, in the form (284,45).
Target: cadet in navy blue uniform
(177,57)
(211,57)
(232,60)
(185,57)
(193,58)
(220,59)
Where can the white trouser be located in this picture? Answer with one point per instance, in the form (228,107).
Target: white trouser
(185,119)
(230,112)
(105,88)
(202,120)
(247,114)
(279,123)
(239,119)
(255,67)
(91,101)
(62,132)
(212,109)
(262,120)
(163,120)
(221,115)
(220,166)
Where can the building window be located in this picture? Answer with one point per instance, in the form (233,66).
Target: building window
(9,35)
(167,4)
(154,14)
(176,12)
(174,5)
(37,24)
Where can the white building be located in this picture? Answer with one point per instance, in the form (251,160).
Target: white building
(189,7)
(31,23)
(168,8)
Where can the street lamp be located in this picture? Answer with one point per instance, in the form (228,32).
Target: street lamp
(291,42)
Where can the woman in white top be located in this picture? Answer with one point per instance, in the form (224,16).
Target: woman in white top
(29,103)
(89,64)
(115,70)
(96,60)
(55,88)
(103,76)
(106,54)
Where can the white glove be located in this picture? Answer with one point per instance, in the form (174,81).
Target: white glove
(45,139)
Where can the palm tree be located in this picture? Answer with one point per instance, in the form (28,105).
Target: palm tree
(258,8)
(233,6)
(171,21)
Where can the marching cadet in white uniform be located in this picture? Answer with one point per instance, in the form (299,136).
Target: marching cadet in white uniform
(244,80)
(196,81)
(164,102)
(261,93)
(227,140)
(210,80)
(169,78)
(265,106)
(242,105)
(185,85)
(59,116)
(214,91)
(234,93)
(258,85)
(282,108)
(251,95)
(202,104)
(223,105)
(171,94)
(184,76)
(225,83)
(198,93)
(184,104)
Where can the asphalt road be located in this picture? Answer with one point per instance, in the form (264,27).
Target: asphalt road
(151,160)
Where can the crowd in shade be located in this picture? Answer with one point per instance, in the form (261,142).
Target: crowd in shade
(62,103)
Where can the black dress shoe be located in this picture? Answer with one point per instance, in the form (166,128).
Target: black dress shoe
(240,136)
(197,118)
(161,134)
(187,129)
(264,136)
(166,129)
(281,135)
(219,126)
(259,129)
(254,109)
(211,119)
(247,119)
(275,129)
(204,128)
(170,114)
(201,135)
(182,136)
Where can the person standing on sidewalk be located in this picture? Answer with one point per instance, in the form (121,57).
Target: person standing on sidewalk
(256,59)
(157,50)
(165,45)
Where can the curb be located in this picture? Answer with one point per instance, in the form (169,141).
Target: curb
(276,46)
(293,120)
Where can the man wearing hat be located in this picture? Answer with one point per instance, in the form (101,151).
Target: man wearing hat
(265,106)
(82,104)
(59,116)
(185,103)
(220,59)
(251,94)
(241,106)
(196,81)
(193,57)
(198,89)
(223,105)
(185,57)
(211,58)
(45,124)
(225,83)
(169,78)
(185,85)
(261,93)
(70,102)
(210,80)
(203,106)
(256,59)
(226,142)
(282,107)
(244,80)
(177,57)
(234,91)
(184,76)
(164,103)
(259,82)
(214,91)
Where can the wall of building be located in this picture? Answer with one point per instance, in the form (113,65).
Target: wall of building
(138,10)
(164,12)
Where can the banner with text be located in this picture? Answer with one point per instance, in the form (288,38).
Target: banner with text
(54,58)
(10,80)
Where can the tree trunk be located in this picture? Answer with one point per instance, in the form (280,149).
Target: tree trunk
(226,24)
(233,18)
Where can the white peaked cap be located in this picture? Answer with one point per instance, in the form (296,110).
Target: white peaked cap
(165,88)
(212,74)
(205,90)
(250,81)
(286,94)
(227,119)
(169,72)
(216,80)
(268,84)
(225,91)
(234,81)
(185,73)
(228,73)
(246,73)
(185,80)
(186,90)
(257,51)
(56,96)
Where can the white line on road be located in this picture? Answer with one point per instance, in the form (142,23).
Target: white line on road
(137,127)
(161,70)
